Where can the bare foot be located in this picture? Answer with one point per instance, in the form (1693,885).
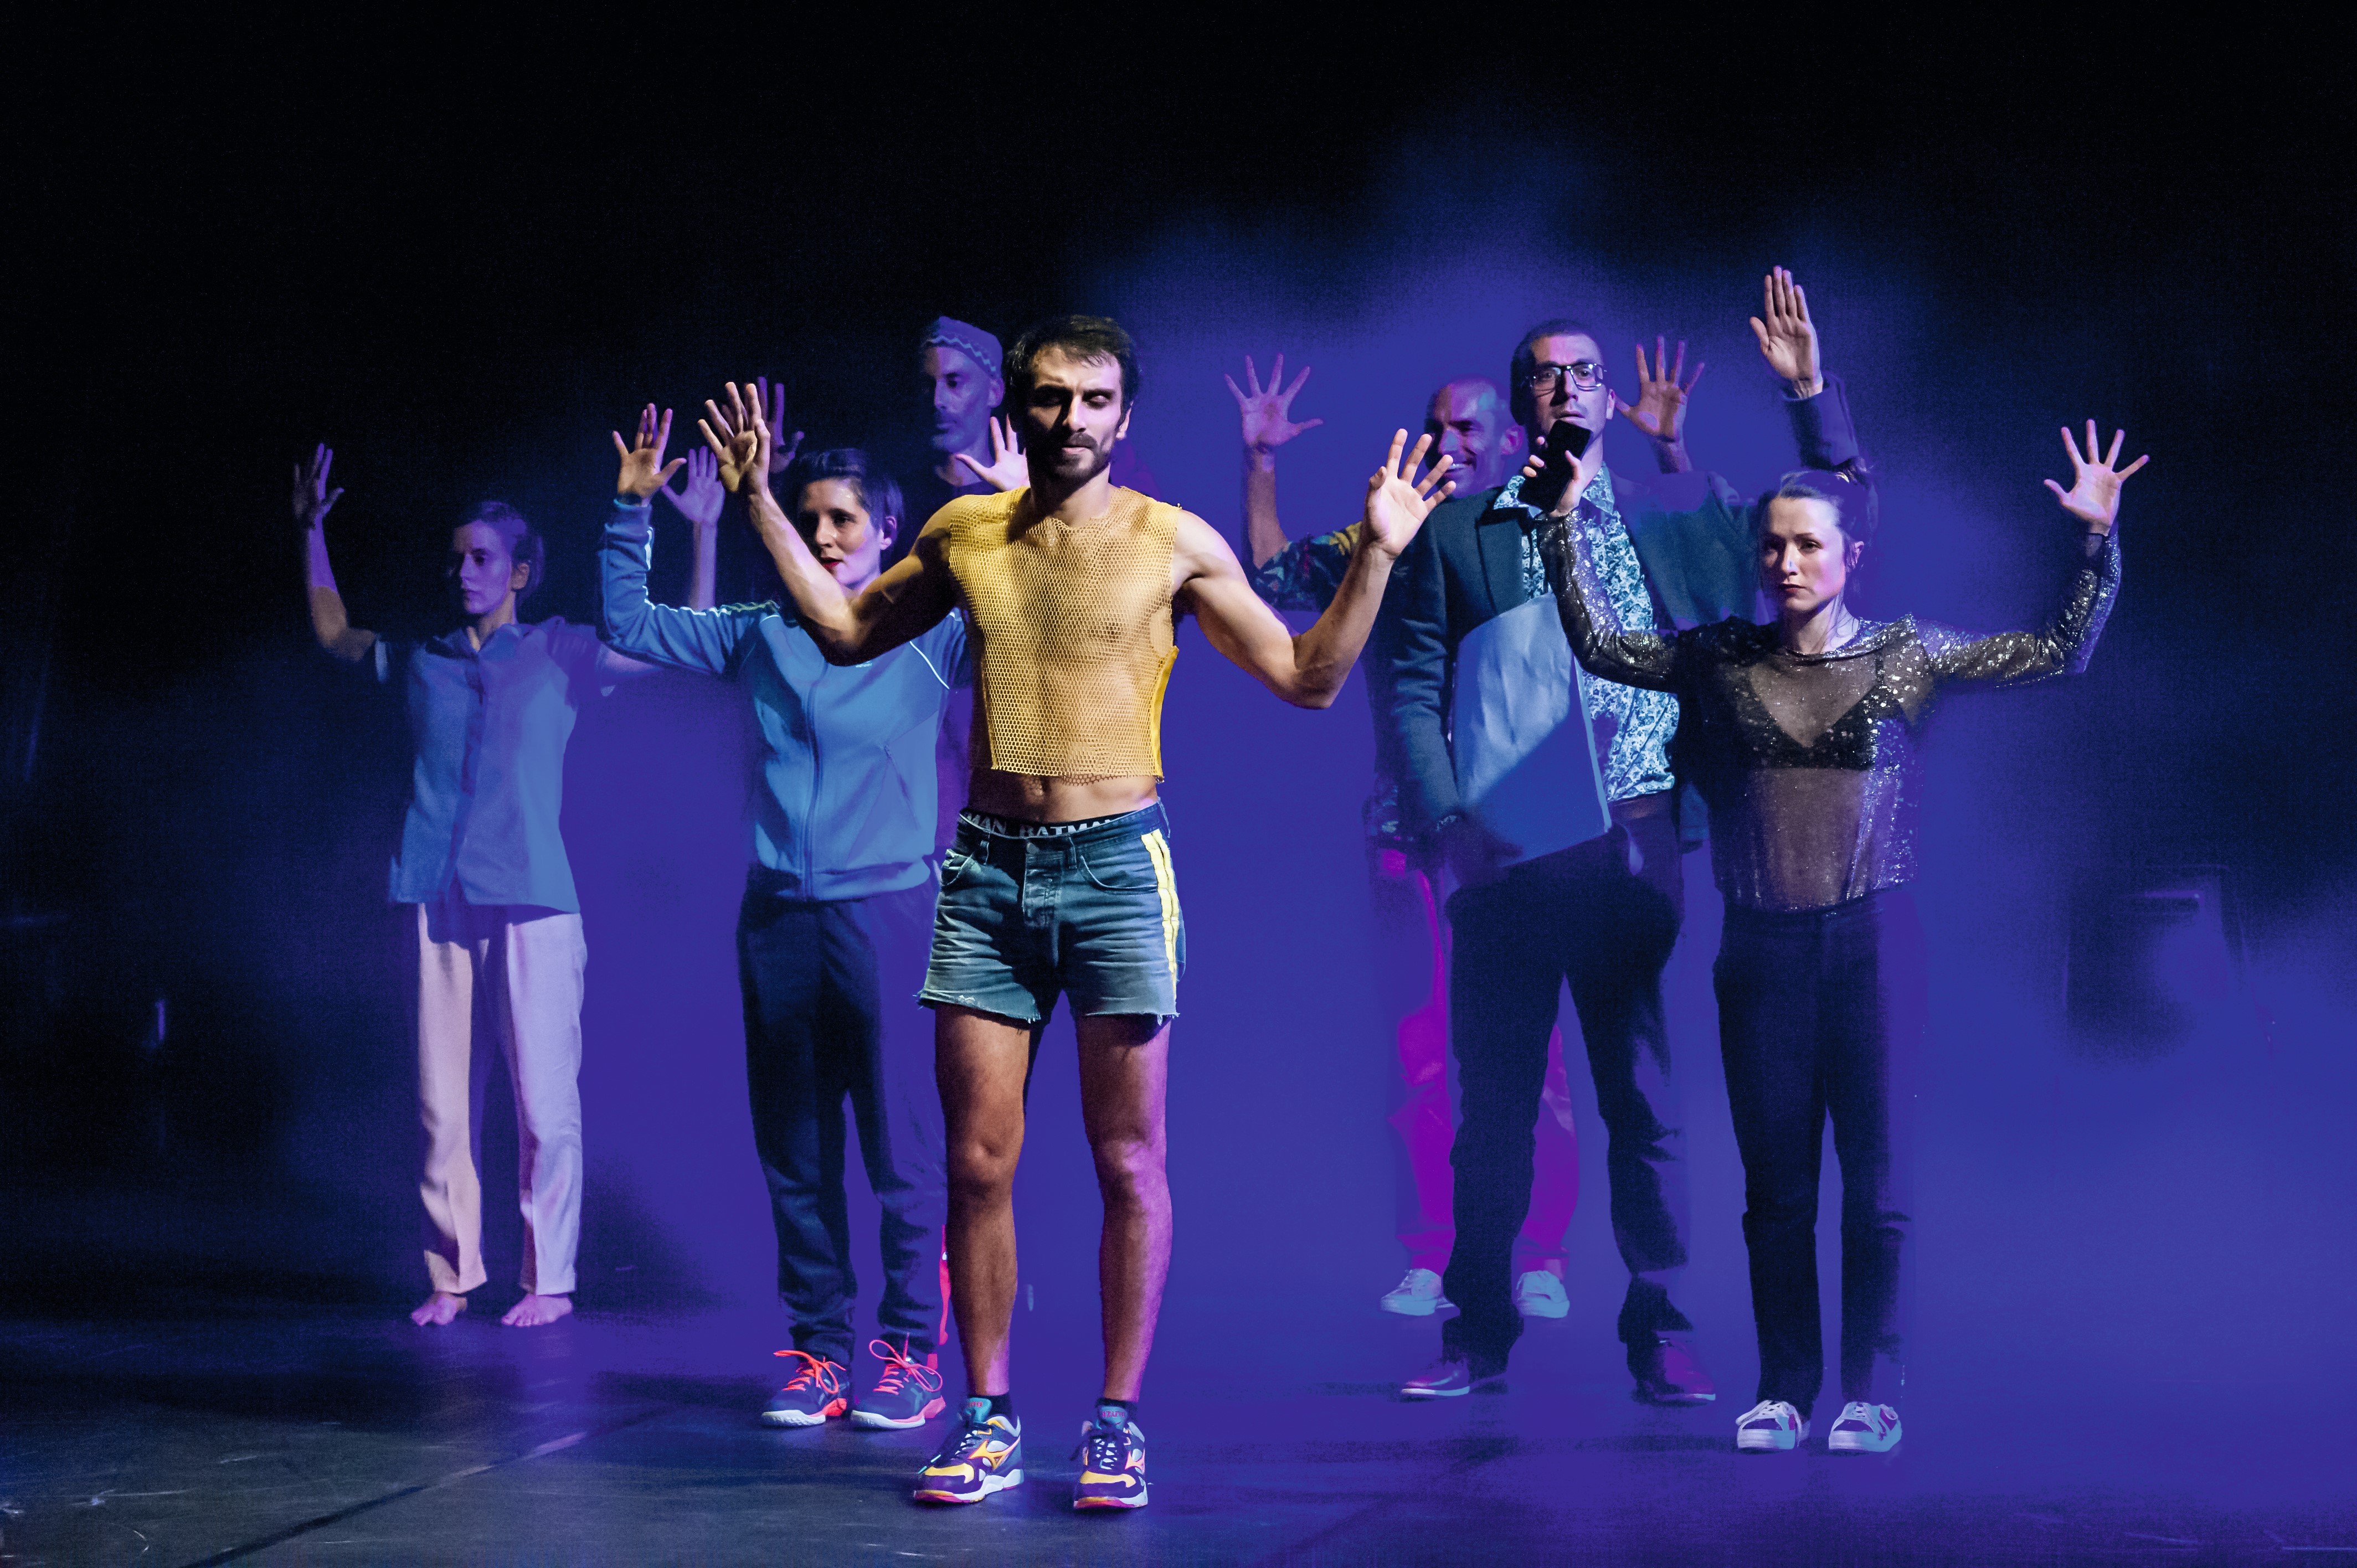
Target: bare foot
(438,1309)
(535,1311)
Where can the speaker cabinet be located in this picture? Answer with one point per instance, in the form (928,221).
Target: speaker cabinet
(2155,963)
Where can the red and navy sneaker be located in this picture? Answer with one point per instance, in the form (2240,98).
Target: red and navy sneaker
(906,1395)
(1668,1372)
(1113,1462)
(818,1391)
(1455,1375)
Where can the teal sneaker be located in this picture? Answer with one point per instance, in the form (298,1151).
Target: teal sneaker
(983,1455)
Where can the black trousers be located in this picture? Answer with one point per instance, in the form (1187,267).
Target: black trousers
(1821,1014)
(1585,916)
(831,1015)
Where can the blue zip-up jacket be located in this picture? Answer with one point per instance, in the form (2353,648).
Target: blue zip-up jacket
(848,799)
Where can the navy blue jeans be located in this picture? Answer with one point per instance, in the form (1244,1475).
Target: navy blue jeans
(831,1017)
(1603,916)
(1821,1015)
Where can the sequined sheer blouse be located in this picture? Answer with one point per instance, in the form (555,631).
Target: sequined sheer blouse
(1808,761)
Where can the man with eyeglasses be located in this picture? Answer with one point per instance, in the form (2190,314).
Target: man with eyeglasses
(1551,797)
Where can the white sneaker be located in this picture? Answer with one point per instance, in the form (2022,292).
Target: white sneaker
(1540,1294)
(1419,1295)
(1771,1426)
(1863,1428)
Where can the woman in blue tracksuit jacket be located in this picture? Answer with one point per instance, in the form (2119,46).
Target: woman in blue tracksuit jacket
(836,928)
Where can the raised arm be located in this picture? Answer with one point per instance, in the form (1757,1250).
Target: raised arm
(1008,469)
(1599,642)
(2063,645)
(699,500)
(1817,403)
(903,604)
(1664,391)
(1268,425)
(700,639)
(1308,670)
(313,500)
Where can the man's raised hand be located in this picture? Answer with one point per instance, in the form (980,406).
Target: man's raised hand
(739,439)
(1788,339)
(2094,497)
(1268,411)
(773,397)
(1659,410)
(644,469)
(699,497)
(313,498)
(1009,469)
(1397,500)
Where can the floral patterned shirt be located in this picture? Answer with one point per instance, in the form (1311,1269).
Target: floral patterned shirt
(1633,727)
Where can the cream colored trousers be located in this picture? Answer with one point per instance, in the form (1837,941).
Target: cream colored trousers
(519,978)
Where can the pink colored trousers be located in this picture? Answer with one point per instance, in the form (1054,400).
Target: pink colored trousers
(507,979)
(1415,950)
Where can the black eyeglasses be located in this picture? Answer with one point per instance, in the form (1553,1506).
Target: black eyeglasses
(1586,375)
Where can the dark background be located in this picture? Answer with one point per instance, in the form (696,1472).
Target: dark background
(462,281)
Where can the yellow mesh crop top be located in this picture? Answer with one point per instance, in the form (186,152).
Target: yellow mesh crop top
(1071,629)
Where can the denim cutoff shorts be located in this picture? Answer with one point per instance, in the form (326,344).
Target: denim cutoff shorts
(1029,910)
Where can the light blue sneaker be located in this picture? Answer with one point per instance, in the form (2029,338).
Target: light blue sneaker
(1771,1426)
(1416,1295)
(1863,1428)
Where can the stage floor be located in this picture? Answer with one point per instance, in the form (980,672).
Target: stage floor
(212,1433)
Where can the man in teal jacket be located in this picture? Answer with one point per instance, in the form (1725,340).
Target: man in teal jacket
(837,923)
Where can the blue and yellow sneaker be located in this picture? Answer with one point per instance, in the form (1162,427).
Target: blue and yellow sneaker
(983,1455)
(1113,1462)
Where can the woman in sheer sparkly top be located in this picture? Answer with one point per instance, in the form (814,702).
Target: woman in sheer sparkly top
(1800,736)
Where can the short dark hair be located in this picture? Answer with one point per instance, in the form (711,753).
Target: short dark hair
(876,489)
(1848,490)
(1081,337)
(525,546)
(1518,372)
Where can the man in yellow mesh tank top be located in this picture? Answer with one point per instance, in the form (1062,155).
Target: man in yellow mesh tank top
(1061,880)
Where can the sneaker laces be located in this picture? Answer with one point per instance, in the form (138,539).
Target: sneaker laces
(1106,1446)
(965,1441)
(1407,1281)
(899,1366)
(815,1370)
